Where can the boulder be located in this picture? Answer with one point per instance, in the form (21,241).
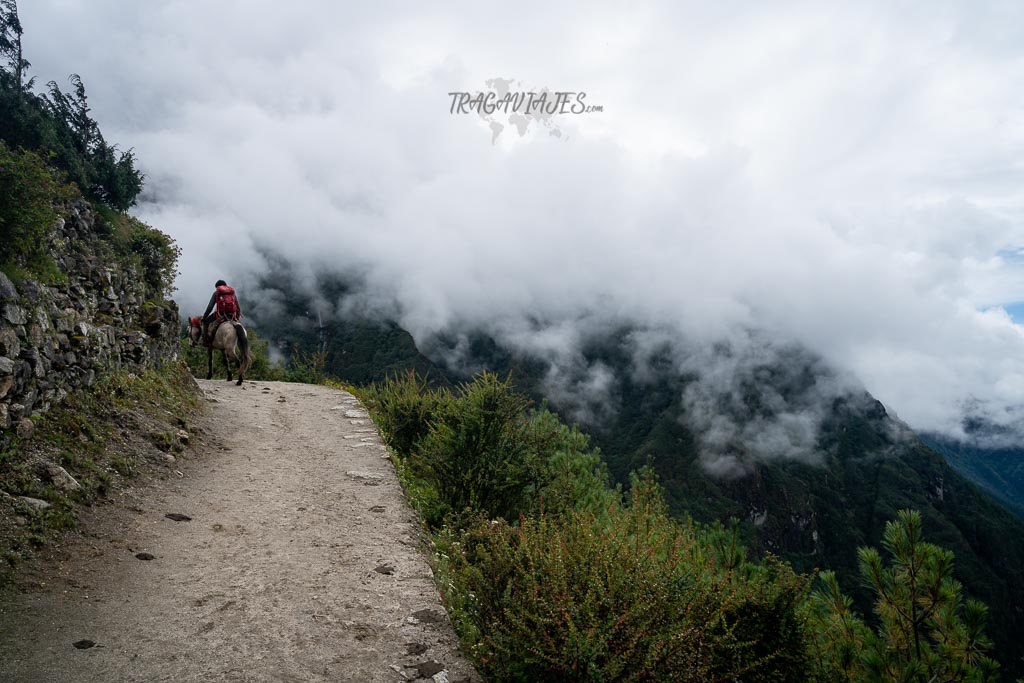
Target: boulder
(61,479)
(34,502)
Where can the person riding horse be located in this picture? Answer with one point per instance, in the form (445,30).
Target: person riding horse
(223,306)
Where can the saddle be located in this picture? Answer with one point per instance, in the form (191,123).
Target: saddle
(208,329)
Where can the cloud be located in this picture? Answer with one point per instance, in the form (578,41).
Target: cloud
(849,178)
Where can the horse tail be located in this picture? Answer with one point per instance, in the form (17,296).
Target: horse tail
(243,347)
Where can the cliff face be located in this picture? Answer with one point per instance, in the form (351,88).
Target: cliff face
(56,338)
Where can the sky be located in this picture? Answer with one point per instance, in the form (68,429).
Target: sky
(848,176)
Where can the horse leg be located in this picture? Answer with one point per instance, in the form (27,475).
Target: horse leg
(241,375)
(209,363)
(227,366)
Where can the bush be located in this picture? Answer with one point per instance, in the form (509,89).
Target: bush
(483,450)
(575,478)
(480,451)
(31,196)
(631,596)
(307,368)
(404,407)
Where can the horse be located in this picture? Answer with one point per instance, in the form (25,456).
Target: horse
(230,336)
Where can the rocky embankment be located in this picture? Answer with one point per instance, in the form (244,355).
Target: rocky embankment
(56,338)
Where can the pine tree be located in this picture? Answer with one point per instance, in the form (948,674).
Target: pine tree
(926,631)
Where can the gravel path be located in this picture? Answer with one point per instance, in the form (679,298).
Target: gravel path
(300,562)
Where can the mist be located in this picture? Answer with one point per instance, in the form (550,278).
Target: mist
(846,180)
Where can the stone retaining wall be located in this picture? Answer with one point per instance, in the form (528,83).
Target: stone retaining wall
(57,338)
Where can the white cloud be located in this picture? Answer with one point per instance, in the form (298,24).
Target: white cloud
(851,178)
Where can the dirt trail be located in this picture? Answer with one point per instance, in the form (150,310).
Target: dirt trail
(300,563)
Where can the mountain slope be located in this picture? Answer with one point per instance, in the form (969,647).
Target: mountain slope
(814,510)
(998,471)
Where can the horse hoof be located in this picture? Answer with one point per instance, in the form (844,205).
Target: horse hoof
(209,377)
(239,383)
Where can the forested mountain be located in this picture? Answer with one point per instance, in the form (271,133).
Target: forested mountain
(813,504)
(988,459)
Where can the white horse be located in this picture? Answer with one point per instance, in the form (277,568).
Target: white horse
(230,336)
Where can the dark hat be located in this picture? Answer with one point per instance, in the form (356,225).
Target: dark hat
(220,283)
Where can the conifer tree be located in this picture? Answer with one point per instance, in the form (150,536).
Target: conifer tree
(10,41)
(926,632)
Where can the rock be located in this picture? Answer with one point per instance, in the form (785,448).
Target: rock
(6,382)
(178,517)
(414,649)
(182,436)
(83,644)
(6,366)
(34,502)
(7,289)
(385,569)
(31,355)
(355,413)
(428,669)
(26,428)
(145,556)
(372,476)
(428,616)
(440,677)
(9,344)
(15,315)
(377,508)
(61,479)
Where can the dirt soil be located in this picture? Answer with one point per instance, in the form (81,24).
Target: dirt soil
(299,560)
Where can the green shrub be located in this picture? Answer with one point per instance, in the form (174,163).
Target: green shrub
(481,451)
(630,596)
(404,407)
(31,196)
(575,478)
(307,368)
